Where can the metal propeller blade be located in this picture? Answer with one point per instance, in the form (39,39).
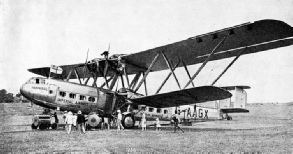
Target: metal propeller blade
(85,64)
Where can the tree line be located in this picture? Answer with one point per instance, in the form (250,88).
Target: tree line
(6,97)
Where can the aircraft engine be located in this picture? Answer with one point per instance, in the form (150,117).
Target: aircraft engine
(94,120)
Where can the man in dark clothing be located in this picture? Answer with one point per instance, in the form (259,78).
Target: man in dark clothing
(80,121)
(176,121)
(55,117)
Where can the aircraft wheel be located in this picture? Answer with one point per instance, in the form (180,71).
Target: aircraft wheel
(34,126)
(128,121)
(42,126)
(94,120)
(54,126)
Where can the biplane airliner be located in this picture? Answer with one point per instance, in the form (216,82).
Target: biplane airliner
(58,91)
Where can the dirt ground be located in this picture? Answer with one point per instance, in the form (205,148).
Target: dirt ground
(268,128)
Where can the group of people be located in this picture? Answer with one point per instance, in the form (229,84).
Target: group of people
(74,120)
(77,121)
(143,123)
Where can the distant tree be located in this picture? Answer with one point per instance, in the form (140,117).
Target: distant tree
(6,97)
(18,95)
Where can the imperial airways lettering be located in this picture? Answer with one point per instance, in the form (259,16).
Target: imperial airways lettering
(64,100)
(40,88)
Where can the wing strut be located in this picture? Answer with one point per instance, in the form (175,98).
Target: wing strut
(113,81)
(134,81)
(87,80)
(145,86)
(69,74)
(169,65)
(147,72)
(163,83)
(185,67)
(205,62)
(229,66)
(77,75)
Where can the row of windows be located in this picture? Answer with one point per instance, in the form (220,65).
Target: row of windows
(158,110)
(73,96)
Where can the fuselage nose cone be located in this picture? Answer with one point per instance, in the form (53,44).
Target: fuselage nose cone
(24,90)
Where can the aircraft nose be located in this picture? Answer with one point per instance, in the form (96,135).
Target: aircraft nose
(24,90)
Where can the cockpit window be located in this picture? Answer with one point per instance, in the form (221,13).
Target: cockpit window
(36,81)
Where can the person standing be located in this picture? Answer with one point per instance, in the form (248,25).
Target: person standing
(64,118)
(143,122)
(119,120)
(158,125)
(55,117)
(69,122)
(80,121)
(176,122)
(74,119)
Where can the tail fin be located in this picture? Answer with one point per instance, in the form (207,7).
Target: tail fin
(237,103)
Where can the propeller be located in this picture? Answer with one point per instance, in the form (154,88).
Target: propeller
(85,64)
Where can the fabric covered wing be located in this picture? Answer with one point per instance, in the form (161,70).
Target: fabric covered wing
(258,36)
(184,97)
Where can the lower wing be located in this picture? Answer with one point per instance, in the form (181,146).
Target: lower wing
(184,97)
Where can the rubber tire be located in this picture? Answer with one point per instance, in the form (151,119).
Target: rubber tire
(34,127)
(123,122)
(42,126)
(54,126)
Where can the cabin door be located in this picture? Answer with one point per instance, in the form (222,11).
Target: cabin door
(52,93)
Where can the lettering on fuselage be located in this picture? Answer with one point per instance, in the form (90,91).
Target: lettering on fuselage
(64,100)
(40,88)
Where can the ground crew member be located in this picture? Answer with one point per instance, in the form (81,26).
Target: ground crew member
(176,121)
(119,119)
(80,121)
(69,122)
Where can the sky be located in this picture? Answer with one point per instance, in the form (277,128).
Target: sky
(40,33)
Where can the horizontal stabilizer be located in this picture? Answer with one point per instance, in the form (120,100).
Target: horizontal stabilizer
(234,110)
(183,97)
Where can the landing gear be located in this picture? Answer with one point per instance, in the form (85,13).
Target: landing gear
(128,121)
(228,117)
(93,121)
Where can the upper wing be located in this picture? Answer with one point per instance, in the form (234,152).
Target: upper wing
(258,36)
(184,97)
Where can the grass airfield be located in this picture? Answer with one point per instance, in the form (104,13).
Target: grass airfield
(267,128)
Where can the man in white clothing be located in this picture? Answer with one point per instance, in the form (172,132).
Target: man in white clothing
(119,119)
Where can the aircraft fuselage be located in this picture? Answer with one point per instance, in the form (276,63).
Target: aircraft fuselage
(66,96)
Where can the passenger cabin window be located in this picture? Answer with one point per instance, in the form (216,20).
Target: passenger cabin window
(143,108)
(61,93)
(165,111)
(37,81)
(72,95)
(159,110)
(81,97)
(151,109)
(91,99)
